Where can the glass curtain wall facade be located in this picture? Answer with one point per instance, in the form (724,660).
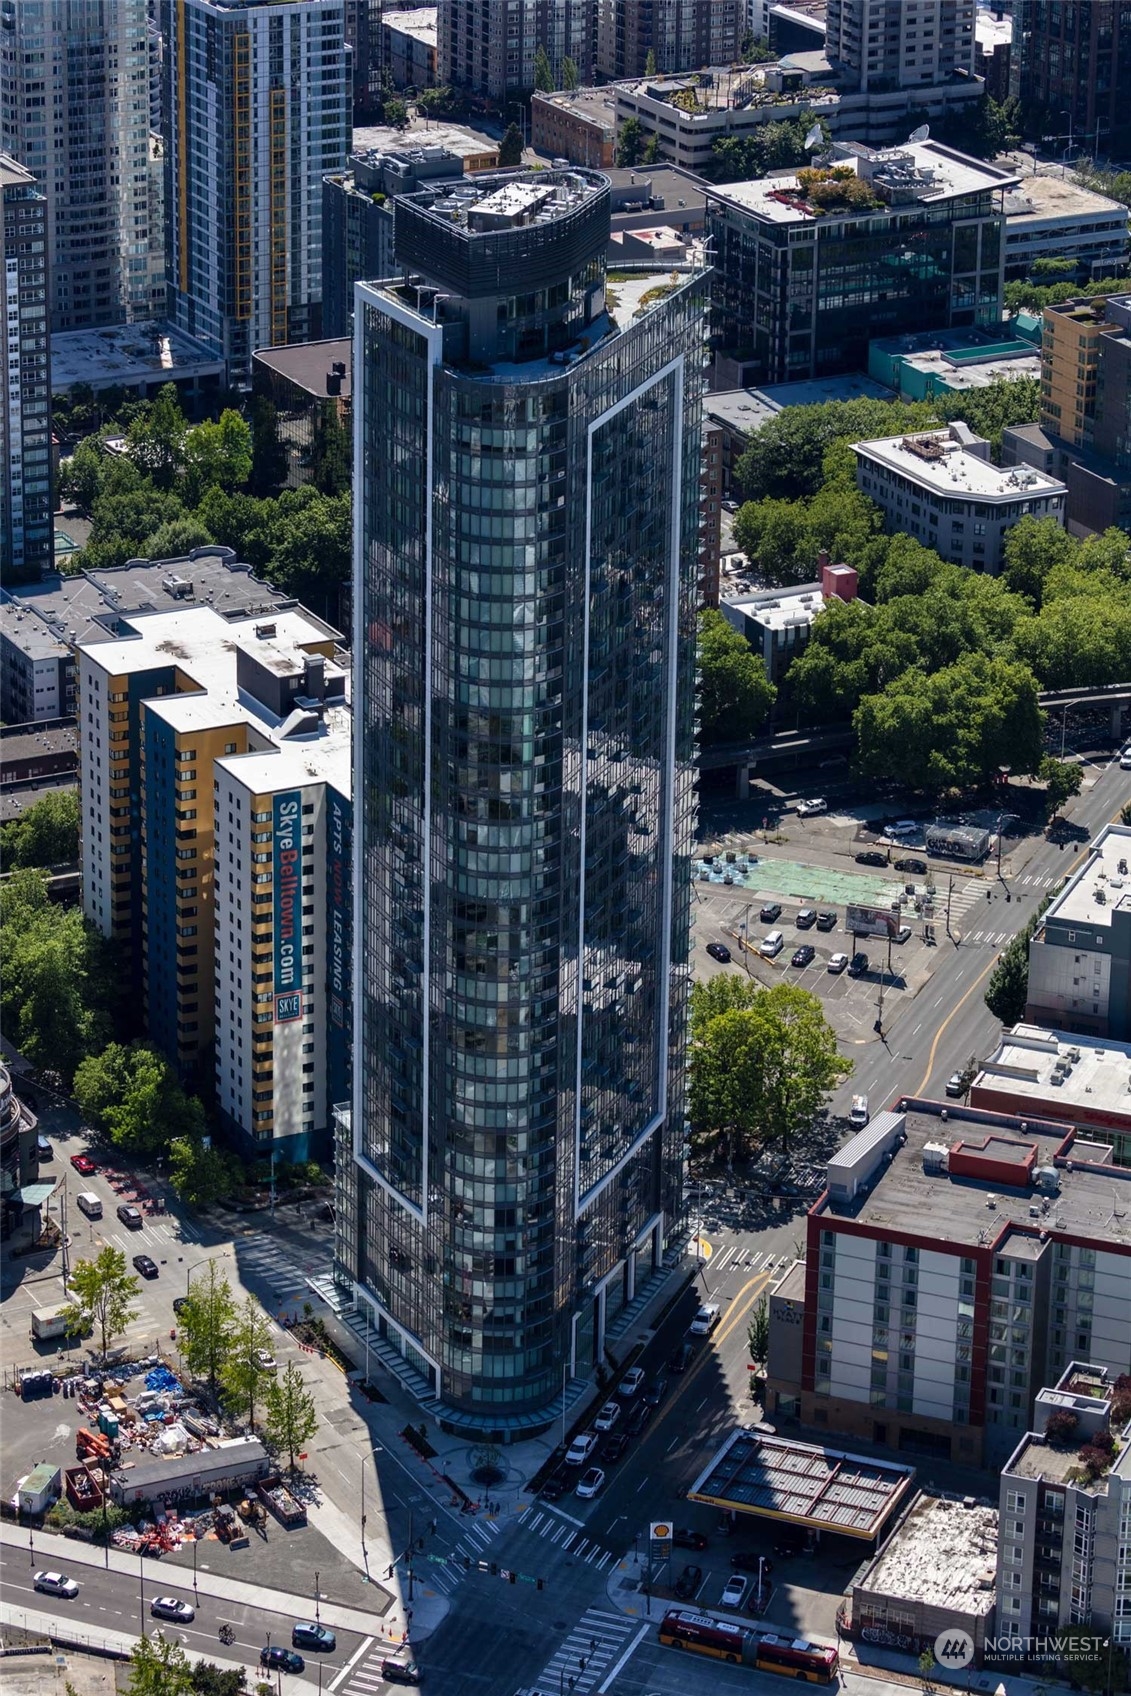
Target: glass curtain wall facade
(525,631)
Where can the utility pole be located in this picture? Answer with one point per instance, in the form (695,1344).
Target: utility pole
(66,1259)
(949,893)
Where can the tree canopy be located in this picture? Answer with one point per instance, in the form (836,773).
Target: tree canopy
(102,1293)
(773,146)
(785,456)
(133,1097)
(47,834)
(735,695)
(58,982)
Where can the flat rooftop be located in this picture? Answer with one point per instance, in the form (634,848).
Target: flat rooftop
(127,355)
(420,23)
(779,609)
(972,372)
(802,1484)
(594,105)
(943,1555)
(456,138)
(30,634)
(1081,1071)
(25,742)
(1098,889)
(904,1195)
(308,363)
(1035,1457)
(1041,197)
(486,204)
(944,175)
(90,605)
(746,410)
(935,461)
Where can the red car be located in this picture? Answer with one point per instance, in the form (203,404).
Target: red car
(84,1164)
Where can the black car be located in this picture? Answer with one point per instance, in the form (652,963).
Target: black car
(871,857)
(746,1560)
(803,956)
(286,1659)
(684,1539)
(858,965)
(145,1265)
(770,912)
(806,918)
(682,1358)
(918,867)
(655,1392)
(180,1303)
(719,951)
(687,1584)
(638,1419)
(555,1488)
(308,1634)
(614,1446)
(826,920)
(400,1672)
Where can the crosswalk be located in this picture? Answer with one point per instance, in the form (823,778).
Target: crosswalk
(363,1676)
(476,1538)
(972,915)
(739,1258)
(265,1260)
(566,1534)
(583,1660)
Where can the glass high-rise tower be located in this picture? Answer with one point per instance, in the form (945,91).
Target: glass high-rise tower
(526,514)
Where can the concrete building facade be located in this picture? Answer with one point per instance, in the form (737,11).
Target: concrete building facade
(902,46)
(580,126)
(681,35)
(488,46)
(1080,956)
(27,544)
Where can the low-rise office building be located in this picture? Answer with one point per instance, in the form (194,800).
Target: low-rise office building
(777,623)
(1080,956)
(1083,1081)
(921,365)
(935,1573)
(579,125)
(1052,217)
(138,358)
(940,487)
(215,843)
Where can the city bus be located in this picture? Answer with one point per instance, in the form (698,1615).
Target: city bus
(786,1656)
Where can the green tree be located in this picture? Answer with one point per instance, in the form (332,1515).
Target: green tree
(331,452)
(82,476)
(207,1325)
(102,1292)
(570,76)
(159,1667)
(201,1173)
(1005,401)
(543,71)
(510,148)
(242,1373)
(785,456)
(724,993)
(210,1680)
(291,1419)
(735,695)
(55,965)
(128,517)
(1062,779)
(176,539)
(268,455)
(396,113)
(156,438)
(854,650)
(218,454)
(953,728)
(312,548)
(650,63)
(773,146)
(47,834)
(1032,548)
(782,538)
(630,143)
(758,1332)
(133,1096)
(1008,988)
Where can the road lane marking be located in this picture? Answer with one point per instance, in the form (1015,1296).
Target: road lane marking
(552,1507)
(624,1660)
(362,1649)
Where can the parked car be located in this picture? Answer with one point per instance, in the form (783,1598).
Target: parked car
(400,1672)
(806,917)
(956,1085)
(734,1593)
(146,1265)
(308,1634)
(607,1417)
(858,965)
(285,1659)
(682,1538)
(84,1165)
(171,1607)
(43,1149)
(719,951)
(55,1584)
(746,1560)
(592,1483)
(179,1304)
(770,912)
(266,1361)
(706,1319)
(826,920)
(614,1447)
(130,1216)
(687,1584)
(632,1381)
(903,934)
(681,1359)
(772,944)
(803,956)
(910,864)
(1125,762)
(837,963)
(580,1449)
(902,827)
(810,809)
(871,857)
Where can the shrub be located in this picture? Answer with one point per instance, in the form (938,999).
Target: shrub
(1061,1427)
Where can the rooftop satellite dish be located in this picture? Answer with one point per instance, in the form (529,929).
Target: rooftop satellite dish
(814,139)
(923,133)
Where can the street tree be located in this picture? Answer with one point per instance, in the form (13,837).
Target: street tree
(724,993)
(953,728)
(102,1291)
(242,1373)
(291,1418)
(630,144)
(758,1332)
(1008,988)
(53,980)
(219,454)
(735,695)
(543,71)
(207,1325)
(156,437)
(570,77)
(1062,779)
(1032,547)
(159,1667)
(510,148)
(200,1172)
(134,1097)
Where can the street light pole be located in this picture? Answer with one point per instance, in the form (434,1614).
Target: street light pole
(141,1584)
(317,1612)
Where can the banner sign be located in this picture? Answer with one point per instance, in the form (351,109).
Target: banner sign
(287,857)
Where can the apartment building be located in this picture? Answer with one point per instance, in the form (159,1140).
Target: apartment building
(578,125)
(1064,1545)
(215,793)
(488,46)
(906,45)
(940,487)
(26,532)
(1080,957)
(634,40)
(37,669)
(1070,67)
(956,1261)
(259,113)
(75,113)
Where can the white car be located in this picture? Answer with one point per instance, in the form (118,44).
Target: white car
(735,1593)
(902,827)
(772,945)
(837,962)
(859,1114)
(169,1607)
(632,1381)
(592,1484)
(266,1361)
(1125,761)
(55,1584)
(607,1417)
(903,934)
(580,1449)
(810,809)
(706,1319)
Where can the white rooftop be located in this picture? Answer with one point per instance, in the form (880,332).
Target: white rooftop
(1039,199)
(943,1555)
(951,175)
(421,23)
(29,633)
(1099,888)
(975,374)
(128,354)
(1032,1060)
(775,609)
(952,469)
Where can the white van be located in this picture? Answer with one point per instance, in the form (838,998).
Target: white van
(859,1115)
(89,1204)
(772,944)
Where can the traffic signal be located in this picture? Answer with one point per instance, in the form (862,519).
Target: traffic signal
(494,1569)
